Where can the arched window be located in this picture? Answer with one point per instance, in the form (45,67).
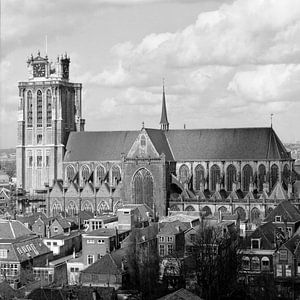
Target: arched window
(246,263)
(85,173)
(142,186)
(183,173)
(274,175)
(207,211)
(87,206)
(265,264)
(222,209)
(199,174)
(70,173)
(190,208)
(174,208)
(39,108)
(247,177)
(269,210)
(56,209)
(231,176)
(49,108)
(103,207)
(29,109)
(255,263)
(241,213)
(215,174)
(286,174)
(115,174)
(255,214)
(100,174)
(261,177)
(72,209)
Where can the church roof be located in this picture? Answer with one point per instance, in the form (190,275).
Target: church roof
(99,145)
(180,144)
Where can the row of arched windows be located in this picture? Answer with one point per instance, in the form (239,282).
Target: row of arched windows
(255,264)
(39,108)
(247,176)
(100,173)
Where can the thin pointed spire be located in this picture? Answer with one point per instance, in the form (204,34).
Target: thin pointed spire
(164,124)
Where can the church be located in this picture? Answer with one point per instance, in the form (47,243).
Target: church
(246,171)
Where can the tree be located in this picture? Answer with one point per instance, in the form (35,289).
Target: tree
(214,262)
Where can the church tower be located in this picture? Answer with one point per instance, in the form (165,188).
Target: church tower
(164,124)
(49,109)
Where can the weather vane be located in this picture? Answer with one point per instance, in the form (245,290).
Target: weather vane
(272,120)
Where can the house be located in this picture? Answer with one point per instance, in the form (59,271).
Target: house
(64,244)
(108,271)
(257,253)
(101,221)
(4,197)
(74,267)
(97,243)
(285,217)
(59,226)
(20,250)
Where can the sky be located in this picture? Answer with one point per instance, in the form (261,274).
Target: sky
(225,63)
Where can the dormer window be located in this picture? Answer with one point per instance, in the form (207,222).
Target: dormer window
(255,243)
(278,219)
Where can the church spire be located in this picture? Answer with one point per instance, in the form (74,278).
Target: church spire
(164,124)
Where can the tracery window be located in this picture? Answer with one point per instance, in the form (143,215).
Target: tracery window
(85,173)
(72,209)
(261,177)
(286,174)
(87,206)
(231,176)
(199,174)
(247,177)
(70,173)
(255,214)
(49,108)
(115,174)
(183,173)
(29,109)
(100,174)
(274,175)
(143,187)
(56,209)
(215,174)
(39,108)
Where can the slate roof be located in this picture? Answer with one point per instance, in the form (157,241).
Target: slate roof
(171,228)
(286,210)
(99,145)
(180,144)
(110,263)
(293,243)
(267,234)
(32,218)
(12,229)
(181,294)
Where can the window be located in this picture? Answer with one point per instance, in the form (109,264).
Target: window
(255,263)
(255,243)
(54,243)
(274,175)
(162,239)
(265,264)
(283,255)
(290,231)
(278,219)
(184,174)
(29,109)
(261,177)
(3,253)
(70,173)
(115,174)
(85,173)
(169,239)
(193,238)
(288,270)
(55,229)
(30,160)
(231,176)
(99,256)
(48,243)
(247,177)
(39,139)
(90,259)
(298,268)
(39,161)
(170,248)
(39,109)
(47,161)
(49,108)
(279,270)
(161,250)
(246,263)
(215,175)
(126,212)
(101,242)
(91,241)
(199,172)
(100,173)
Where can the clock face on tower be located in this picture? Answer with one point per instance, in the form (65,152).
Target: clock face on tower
(39,70)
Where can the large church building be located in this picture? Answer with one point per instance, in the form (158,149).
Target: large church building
(239,170)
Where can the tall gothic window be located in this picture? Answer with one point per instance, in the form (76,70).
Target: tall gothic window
(231,176)
(29,109)
(56,209)
(241,213)
(183,173)
(115,174)
(274,175)
(255,214)
(49,108)
(85,173)
(215,174)
(39,108)
(70,173)
(247,177)
(199,174)
(261,177)
(87,206)
(286,174)
(72,209)
(100,174)
(143,187)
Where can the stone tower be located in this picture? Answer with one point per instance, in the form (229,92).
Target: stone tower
(49,109)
